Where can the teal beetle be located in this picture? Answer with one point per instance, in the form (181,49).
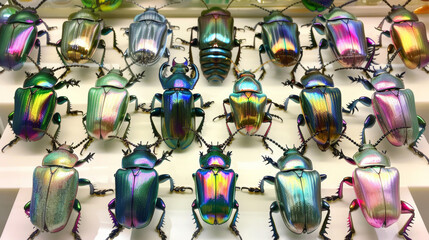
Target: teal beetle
(137,184)
(6,11)
(55,186)
(35,105)
(301,213)
(177,109)
(215,188)
(107,105)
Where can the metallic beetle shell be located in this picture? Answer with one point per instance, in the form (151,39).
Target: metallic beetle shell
(317,5)
(386,81)
(34,108)
(17,41)
(293,160)
(178,79)
(314,78)
(401,14)
(45,78)
(215,190)
(80,38)
(248,110)
(338,13)
(177,119)
(60,157)
(411,37)
(136,195)
(216,40)
(369,156)
(141,157)
(348,41)
(106,110)
(53,196)
(396,109)
(321,107)
(147,41)
(377,192)
(281,41)
(102,5)
(6,11)
(215,158)
(298,194)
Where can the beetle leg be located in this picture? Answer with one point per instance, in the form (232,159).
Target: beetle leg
(323,44)
(406,208)
(39,53)
(75,231)
(301,122)
(270,102)
(233,225)
(348,181)
(63,60)
(34,234)
(274,208)
(425,68)
(385,33)
(92,190)
(197,222)
(27,208)
(56,119)
(117,228)
(88,158)
(292,73)
(351,107)
(161,206)
(61,100)
(67,83)
(371,54)
(156,112)
(164,177)
(48,38)
(203,105)
(413,146)
(87,144)
(107,30)
(171,30)
(260,188)
(11,143)
(353,206)
(292,97)
(128,120)
(325,207)
(101,45)
(257,35)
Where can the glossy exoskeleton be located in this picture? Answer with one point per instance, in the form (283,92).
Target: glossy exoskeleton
(6,11)
(102,5)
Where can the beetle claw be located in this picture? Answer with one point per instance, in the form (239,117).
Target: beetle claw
(182,189)
(252,189)
(102,192)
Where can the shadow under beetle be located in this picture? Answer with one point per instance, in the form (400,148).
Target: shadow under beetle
(137,185)
(19,34)
(177,109)
(393,106)
(248,104)
(215,188)
(301,213)
(408,36)
(35,105)
(376,185)
(216,39)
(55,186)
(148,36)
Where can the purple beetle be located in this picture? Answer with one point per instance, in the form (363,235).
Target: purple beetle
(376,185)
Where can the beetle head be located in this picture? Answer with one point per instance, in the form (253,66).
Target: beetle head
(247,83)
(179,79)
(141,157)
(292,159)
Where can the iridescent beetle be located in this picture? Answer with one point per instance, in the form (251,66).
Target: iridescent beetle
(107,105)
(345,35)
(177,109)
(148,36)
(102,5)
(409,35)
(216,39)
(393,105)
(19,35)
(215,188)
(35,105)
(301,213)
(317,5)
(376,185)
(81,36)
(280,39)
(55,186)
(6,11)
(137,184)
(248,104)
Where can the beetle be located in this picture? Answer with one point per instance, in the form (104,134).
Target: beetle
(148,36)
(215,204)
(137,184)
(302,213)
(408,34)
(35,105)
(317,5)
(6,11)
(55,186)
(376,185)
(216,39)
(19,35)
(345,35)
(107,105)
(280,39)
(393,105)
(248,104)
(81,36)
(177,109)
(104,6)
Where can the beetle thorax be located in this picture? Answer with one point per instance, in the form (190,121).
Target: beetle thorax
(113,78)
(314,78)
(294,160)
(151,14)
(44,79)
(338,13)
(385,81)
(401,14)
(26,15)
(141,157)
(247,83)
(277,16)
(215,11)
(63,157)
(215,158)
(85,13)
(369,156)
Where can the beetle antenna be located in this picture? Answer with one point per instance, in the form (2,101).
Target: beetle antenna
(201,138)
(261,8)
(293,4)
(205,4)
(406,3)
(136,3)
(76,65)
(37,65)
(228,140)
(229,4)
(40,4)
(347,3)
(360,68)
(48,134)
(128,67)
(386,134)
(271,60)
(17,3)
(389,63)
(350,139)
(168,4)
(306,141)
(271,140)
(236,69)
(124,140)
(81,142)
(388,4)
(102,66)
(156,143)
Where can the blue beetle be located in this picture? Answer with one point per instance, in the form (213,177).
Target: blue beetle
(177,109)
(137,185)
(148,36)
(215,188)
(35,105)
(55,186)
(301,213)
